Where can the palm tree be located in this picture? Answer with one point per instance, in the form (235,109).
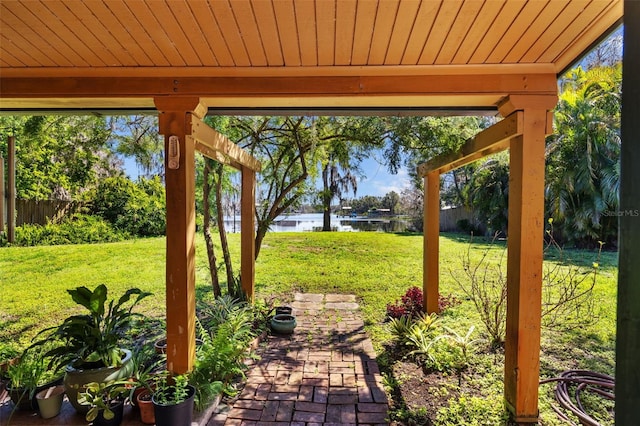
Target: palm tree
(583,168)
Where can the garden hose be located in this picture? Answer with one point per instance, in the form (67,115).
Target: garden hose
(583,380)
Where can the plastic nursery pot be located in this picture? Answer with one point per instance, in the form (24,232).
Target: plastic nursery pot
(118,410)
(176,414)
(50,401)
(283,324)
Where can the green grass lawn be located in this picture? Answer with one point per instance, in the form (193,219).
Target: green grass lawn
(376,267)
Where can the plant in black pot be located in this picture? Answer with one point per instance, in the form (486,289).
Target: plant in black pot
(104,401)
(89,345)
(173,401)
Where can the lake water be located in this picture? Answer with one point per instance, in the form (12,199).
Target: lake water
(309,222)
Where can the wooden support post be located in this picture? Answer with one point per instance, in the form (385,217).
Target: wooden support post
(174,120)
(431,253)
(11,189)
(628,317)
(524,267)
(248,232)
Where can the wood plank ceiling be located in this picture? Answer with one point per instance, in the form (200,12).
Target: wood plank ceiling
(257,38)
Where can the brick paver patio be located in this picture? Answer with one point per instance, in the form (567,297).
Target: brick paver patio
(325,373)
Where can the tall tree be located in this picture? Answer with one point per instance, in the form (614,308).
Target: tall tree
(583,167)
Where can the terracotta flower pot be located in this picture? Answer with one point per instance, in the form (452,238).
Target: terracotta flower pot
(145,404)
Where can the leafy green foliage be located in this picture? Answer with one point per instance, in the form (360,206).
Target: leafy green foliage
(93,337)
(171,390)
(583,161)
(102,397)
(134,208)
(472,411)
(76,229)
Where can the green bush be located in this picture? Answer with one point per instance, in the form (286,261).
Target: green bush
(136,208)
(472,411)
(76,229)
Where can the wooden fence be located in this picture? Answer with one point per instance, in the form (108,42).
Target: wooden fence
(43,211)
(449,218)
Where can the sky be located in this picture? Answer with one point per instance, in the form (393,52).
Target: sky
(377,181)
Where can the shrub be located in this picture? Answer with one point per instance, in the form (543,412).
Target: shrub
(137,208)
(411,304)
(76,229)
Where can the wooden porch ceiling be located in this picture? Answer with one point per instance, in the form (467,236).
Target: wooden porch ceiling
(286,53)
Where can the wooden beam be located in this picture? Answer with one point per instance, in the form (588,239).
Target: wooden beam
(489,141)
(524,267)
(518,102)
(628,312)
(248,232)
(175,121)
(363,85)
(431,255)
(211,140)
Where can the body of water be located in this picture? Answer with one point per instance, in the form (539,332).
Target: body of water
(309,222)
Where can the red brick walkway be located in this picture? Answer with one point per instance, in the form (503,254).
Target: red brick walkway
(323,374)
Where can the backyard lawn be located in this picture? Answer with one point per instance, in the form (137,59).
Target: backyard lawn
(376,267)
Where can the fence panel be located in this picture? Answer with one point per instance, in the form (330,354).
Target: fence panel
(42,211)
(449,218)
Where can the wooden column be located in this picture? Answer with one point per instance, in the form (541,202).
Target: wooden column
(174,120)
(431,242)
(11,189)
(628,312)
(248,232)
(524,267)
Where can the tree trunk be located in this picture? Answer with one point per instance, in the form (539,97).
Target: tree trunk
(223,233)
(326,200)
(211,255)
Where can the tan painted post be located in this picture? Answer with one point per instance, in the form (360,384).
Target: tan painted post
(524,267)
(247,232)
(431,254)
(174,120)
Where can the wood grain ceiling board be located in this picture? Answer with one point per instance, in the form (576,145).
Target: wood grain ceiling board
(573,31)
(496,31)
(134,31)
(123,33)
(401,30)
(484,20)
(458,32)
(173,28)
(345,26)
(185,17)
(421,28)
(231,33)
(554,30)
(159,37)
(363,32)
(288,31)
(97,54)
(212,33)
(520,25)
(440,31)
(326,32)
(385,20)
(538,27)
(251,34)
(26,41)
(306,25)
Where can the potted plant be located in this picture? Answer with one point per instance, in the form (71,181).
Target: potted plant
(173,401)
(88,345)
(27,377)
(146,364)
(105,401)
(145,405)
